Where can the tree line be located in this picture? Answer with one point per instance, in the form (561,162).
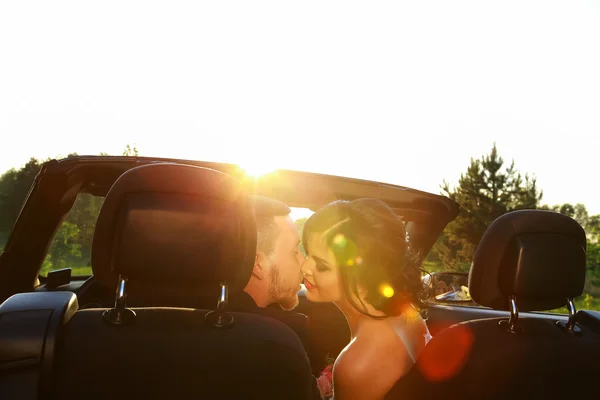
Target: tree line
(72,242)
(488,189)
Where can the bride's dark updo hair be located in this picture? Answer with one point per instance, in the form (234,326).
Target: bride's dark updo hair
(372,250)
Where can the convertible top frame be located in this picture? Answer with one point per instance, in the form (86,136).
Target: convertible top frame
(60,181)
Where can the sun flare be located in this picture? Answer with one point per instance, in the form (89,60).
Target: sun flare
(256,168)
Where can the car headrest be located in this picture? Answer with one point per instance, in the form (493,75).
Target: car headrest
(537,256)
(174,229)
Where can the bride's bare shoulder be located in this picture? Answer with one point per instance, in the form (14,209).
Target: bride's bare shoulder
(370,365)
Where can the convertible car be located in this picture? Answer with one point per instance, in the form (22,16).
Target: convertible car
(174,239)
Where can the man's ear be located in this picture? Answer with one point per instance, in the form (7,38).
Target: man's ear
(260,264)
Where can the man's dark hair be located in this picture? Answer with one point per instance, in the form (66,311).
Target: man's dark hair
(265,210)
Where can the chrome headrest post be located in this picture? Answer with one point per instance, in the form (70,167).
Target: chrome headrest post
(220,318)
(571,324)
(120,314)
(121,298)
(514,314)
(511,324)
(223,298)
(572,312)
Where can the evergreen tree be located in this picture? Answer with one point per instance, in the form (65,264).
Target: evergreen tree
(486,191)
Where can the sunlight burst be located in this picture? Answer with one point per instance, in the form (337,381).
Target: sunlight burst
(256,168)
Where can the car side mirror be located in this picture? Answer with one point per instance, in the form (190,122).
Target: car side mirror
(448,287)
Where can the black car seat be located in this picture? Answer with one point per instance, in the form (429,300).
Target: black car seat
(526,261)
(168,229)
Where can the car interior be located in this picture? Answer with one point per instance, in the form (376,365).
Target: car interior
(161,352)
(176,238)
(528,260)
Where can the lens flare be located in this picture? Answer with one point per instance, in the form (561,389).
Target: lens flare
(386,291)
(339,240)
(447,353)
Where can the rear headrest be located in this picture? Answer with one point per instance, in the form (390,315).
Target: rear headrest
(537,256)
(175,230)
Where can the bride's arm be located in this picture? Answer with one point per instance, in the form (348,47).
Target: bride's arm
(353,381)
(368,369)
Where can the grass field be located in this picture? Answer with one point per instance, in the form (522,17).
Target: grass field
(81,271)
(585,302)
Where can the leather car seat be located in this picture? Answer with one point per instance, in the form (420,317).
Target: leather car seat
(526,261)
(167,230)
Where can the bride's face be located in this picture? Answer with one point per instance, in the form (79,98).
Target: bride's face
(321,272)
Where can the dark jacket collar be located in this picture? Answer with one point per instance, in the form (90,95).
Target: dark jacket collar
(243,302)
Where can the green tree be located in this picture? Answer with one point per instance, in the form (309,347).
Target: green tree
(591,225)
(578,212)
(131,151)
(64,248)
(14,187)
(486,191)
(593,228)
(83,215)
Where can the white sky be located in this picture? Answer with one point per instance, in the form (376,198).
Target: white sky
(401,92)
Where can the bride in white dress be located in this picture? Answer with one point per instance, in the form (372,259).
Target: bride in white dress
(358,256)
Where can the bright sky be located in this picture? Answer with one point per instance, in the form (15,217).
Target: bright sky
(401,92)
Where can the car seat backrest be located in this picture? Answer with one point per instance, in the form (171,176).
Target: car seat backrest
(169,229)
(172,229)
(527,260)
(174,353)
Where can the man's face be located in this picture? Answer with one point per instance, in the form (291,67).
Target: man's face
(286,260)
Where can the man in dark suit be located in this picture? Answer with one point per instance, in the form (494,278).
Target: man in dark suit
(273,287)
